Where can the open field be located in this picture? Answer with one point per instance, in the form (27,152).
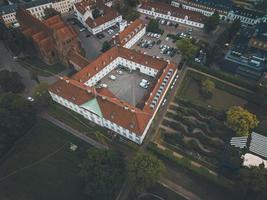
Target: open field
(41,166)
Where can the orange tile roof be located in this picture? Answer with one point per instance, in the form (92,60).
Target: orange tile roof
(78,59)
(174,11)
(129,32)
(106,58)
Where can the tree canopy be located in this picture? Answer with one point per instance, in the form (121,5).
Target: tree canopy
(253,182)
(50,12)
(106,46)
(132,3)
(241,121)
(17,116)
(153,26)
(187,48)
(103,172)
(207,86)
(10,82)
(144,170)
(96,13)
(212,22)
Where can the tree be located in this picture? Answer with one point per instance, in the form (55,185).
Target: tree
(153,26)
(144,170)
(131,3)
(50,12)
(234,29)
(187,48)
(41,95)
(240,120)
(10,82)
(259,98)
(17,116)
(106,46)
(207,86)
(103,173)
(96,13)
(212,22)
(253,182)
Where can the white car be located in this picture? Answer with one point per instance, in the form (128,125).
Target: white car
(103,85)
(145,81)
(82,29)
(143,85)
(112,77)
(30,99)
(119,71)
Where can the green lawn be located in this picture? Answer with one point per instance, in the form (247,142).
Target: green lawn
(224,96)
(42,166)
(39,67)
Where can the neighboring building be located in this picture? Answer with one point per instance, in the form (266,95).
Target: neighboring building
(130,35)
(175,14)
(83,94)
(36,8)
(246,16)
(255,146)
(52,38)
(259,38)
(77,61)
(206,7)
(108,16)
(244,59)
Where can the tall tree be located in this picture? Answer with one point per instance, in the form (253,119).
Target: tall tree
(10,82)
(50,12)
(241,121)
(103,172)
(153,26)
(144,170)
(253,182)
(132,3)
(212,22)
(106,46)
(187,48)
(207,87)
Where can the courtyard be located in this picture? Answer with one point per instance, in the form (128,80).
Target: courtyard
(126,86)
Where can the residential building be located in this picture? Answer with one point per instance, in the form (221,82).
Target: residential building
(36,8)
(206,7)
(175,14)
(259,38)
(130,35)
(243,58)
(52,37)
(82,93)
(108,17)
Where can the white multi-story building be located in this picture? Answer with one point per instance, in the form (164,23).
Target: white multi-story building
(206,7)
(99,105)
(108,16)
(130,35)
(36,8)
(175,14)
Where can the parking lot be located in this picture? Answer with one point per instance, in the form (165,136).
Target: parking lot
(159,47)
(126,86)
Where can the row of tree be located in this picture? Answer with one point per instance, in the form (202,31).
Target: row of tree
(104,172)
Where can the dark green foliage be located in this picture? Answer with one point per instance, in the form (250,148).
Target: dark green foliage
(131,3)
(153,26)
(10,82)
(96,13)
(144,170)
(106,46)
(253,183)
(212,22)
(17,116)
(50,12)
(103,173)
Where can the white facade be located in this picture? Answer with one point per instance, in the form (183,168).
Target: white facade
(137,37)
(243,19)
(171,18)
(63,6)
(197,9)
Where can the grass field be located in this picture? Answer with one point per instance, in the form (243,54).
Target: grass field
(41,166)
(39,67)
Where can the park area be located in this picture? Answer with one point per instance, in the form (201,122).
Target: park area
(194,125)
(42,166)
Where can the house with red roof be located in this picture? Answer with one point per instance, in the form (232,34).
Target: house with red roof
(174,14)
(106,17)
(85,94)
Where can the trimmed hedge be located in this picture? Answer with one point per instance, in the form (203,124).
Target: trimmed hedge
(201,172)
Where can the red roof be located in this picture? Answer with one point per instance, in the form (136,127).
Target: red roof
(174,11)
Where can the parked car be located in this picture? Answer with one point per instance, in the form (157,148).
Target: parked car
(103,85)
(112,77)
(82,29)
(119,71)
